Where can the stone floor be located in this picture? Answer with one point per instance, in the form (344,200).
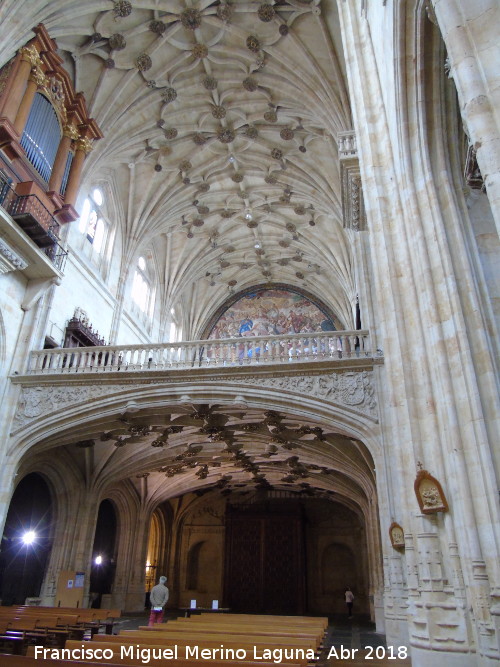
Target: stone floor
(343,634)
(355,642)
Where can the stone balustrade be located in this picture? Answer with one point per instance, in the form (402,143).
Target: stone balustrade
(252,351)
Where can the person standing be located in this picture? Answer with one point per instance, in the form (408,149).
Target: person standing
(349,599)
(158,599)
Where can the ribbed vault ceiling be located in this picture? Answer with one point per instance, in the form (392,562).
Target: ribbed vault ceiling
(235,449)
(220,122)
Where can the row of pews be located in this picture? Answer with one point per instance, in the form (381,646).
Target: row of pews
(24,626)
(229,640)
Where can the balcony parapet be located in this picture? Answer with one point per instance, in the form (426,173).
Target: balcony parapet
(230,352)
(36,221)
(333,371)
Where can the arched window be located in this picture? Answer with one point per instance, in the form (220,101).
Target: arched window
(102,573)
(175,329)
(41,136)
(142,292)
(92,221)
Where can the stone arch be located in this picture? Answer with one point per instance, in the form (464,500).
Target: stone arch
(116,399)
(27,539)
(130,543)
(124,402)
(66,485)
(197,563)
(104,553)
(159,543)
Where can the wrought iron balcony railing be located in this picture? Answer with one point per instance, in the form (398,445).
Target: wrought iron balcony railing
(35,220)
(251,351)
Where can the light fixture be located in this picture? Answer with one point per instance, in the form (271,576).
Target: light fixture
(257,244)
(98,560)
(29,537)
(248,215)
(231,159)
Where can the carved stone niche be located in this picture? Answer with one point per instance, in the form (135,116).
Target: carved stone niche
(353,207)
(430,494)
(396,533)
(472,173)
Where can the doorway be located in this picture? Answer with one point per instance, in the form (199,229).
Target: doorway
(26,541)
(265,554)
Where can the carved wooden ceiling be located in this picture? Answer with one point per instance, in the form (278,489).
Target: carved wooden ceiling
(219,154)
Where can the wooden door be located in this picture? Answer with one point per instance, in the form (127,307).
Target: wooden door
(265,570)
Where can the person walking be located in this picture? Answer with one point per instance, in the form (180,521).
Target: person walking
(349,599)
(158,599)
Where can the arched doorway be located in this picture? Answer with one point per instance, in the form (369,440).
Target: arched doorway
(271,551)
(102,572)
(157,549)
(26,541)
(191,460)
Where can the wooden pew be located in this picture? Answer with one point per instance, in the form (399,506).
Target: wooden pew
(180,629)
(92,619)
(9,660)
(274,618)
(234,642)
(42,626)
(299,625)
(137,659)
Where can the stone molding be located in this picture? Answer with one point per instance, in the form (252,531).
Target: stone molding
(352,390)
(9,259)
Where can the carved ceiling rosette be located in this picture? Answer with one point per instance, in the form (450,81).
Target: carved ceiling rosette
(218,82)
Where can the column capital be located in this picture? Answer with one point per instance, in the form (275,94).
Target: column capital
(38,76)
(30,54)
(84,144)
(71,132)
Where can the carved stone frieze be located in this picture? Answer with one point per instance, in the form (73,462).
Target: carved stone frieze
(42,400)
(350,389)
(353,389)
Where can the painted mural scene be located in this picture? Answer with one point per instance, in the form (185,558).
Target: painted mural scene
(271,312)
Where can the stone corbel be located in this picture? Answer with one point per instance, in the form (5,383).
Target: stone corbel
(35,289)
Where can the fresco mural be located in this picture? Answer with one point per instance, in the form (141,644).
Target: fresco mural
(271,312)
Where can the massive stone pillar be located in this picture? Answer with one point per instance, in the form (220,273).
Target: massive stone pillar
(470,32)
(438,398)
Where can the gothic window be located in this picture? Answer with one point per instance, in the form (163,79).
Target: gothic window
(92,222)
(175,329)
(41,136)
(142,292)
